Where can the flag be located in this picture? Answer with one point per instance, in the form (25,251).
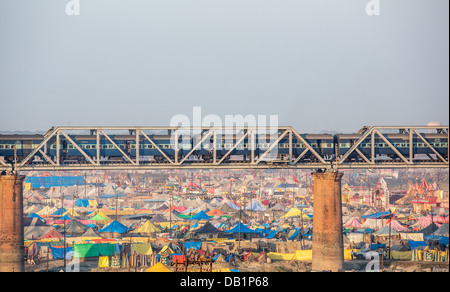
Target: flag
(295,180)
(371,170)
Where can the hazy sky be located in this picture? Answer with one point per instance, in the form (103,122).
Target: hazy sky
(317,64)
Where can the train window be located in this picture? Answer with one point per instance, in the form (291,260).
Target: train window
(1,146)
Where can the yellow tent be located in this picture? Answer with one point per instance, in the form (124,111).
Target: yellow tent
(294,212)
(159,267)
(71,212)
(147,227)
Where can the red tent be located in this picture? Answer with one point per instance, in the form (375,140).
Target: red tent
(51,234)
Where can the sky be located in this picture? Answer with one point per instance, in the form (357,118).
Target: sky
(316,64)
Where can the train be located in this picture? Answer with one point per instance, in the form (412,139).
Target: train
(329,147)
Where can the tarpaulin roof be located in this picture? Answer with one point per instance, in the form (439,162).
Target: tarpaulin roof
(201,216)
(60,212)
(54,181)
(243,229)
(376,215)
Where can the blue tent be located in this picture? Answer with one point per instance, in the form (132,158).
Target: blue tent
(444,240)
(112,196)
(54,181)
(416,244)
(296,232)
(115,227)
(243,229)
(81,202)
(59,212)
(377,215)
(66,217)
(195,245)
(255,206)
(34,215)
(200,216)
(271,234)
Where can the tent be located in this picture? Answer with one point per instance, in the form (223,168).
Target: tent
(242,228)
(442,231)
(90,234)
(59,212)
(200,216)
(371,223)
(397,226)
(115,227)
(215,212)
(34,228)
(34,215)
(353,222)
(385,231)
(147,228)
(75,227)
(100,217)
(207,229)
(295,212)
(255,206)
(430,229)
(71,212)
(377,215)
(159,267)
(158,218)
(51,234)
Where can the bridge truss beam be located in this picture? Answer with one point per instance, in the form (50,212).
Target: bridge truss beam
(41,158)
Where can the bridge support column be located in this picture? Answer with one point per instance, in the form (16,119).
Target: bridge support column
(11,224)
(327,247)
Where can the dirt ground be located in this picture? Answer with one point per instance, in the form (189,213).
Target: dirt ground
(91,265)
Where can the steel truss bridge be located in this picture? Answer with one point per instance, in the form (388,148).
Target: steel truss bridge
(371,147)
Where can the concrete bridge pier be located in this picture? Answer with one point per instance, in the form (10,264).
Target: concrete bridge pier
(11,224)
(327,247)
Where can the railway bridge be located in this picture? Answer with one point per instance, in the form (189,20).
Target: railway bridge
(139,148)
